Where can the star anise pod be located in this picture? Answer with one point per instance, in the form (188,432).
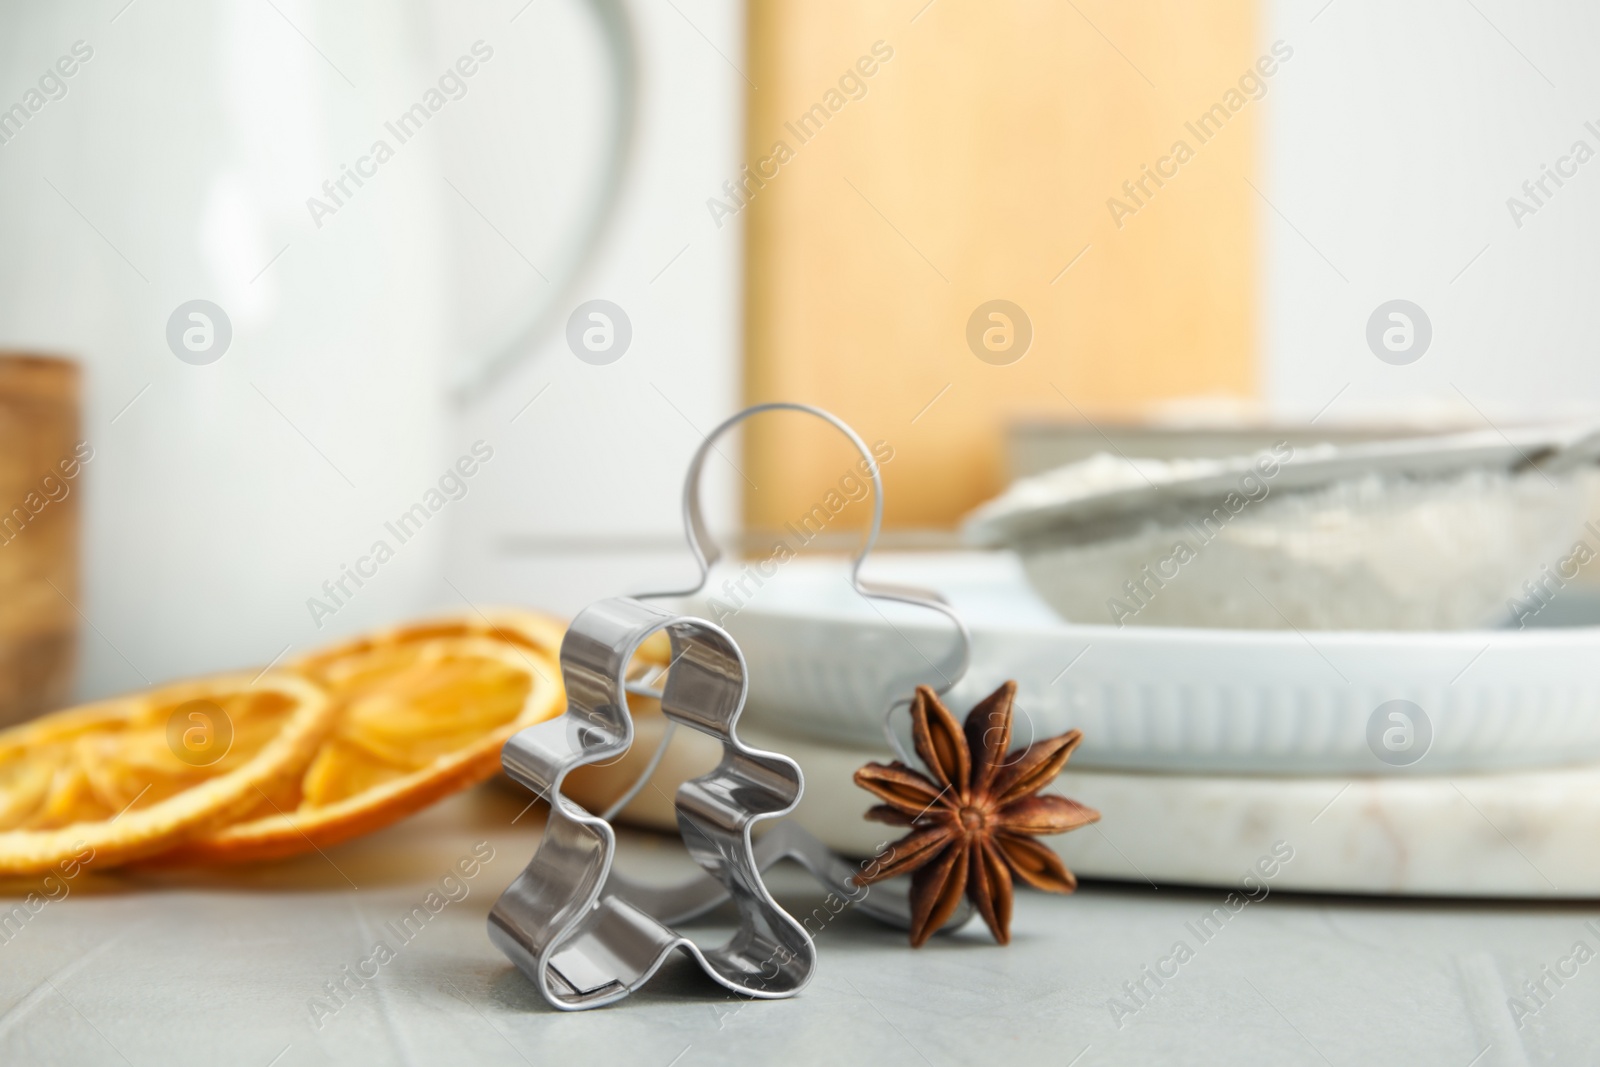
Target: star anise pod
(974,815)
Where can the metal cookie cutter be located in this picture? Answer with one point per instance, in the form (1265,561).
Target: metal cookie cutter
(585,935)
(583,946)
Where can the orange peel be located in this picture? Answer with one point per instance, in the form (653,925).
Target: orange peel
(126,778)
(420,711)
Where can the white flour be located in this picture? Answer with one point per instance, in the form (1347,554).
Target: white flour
(1375,552)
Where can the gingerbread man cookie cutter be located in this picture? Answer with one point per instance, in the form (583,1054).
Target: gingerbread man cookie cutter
(585,935)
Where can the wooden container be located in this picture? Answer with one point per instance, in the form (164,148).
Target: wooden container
(41,478)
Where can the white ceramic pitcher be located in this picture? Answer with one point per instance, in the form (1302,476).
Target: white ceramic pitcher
(171,153)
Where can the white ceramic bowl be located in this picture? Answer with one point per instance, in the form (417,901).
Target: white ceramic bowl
(825,664)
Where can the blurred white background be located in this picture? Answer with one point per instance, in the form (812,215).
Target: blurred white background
(1391,143)
(178,165)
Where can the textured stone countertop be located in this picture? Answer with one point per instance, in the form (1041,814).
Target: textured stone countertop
(176,968)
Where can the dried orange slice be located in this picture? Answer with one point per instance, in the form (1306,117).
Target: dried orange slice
(125,778)
(421,711)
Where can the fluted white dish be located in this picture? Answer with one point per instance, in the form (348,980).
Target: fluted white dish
(824,664)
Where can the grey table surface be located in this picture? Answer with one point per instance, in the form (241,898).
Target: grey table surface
(235,967)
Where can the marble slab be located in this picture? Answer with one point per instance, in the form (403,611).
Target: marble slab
(1529,834)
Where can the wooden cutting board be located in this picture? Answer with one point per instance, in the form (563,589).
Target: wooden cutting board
(979,160)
